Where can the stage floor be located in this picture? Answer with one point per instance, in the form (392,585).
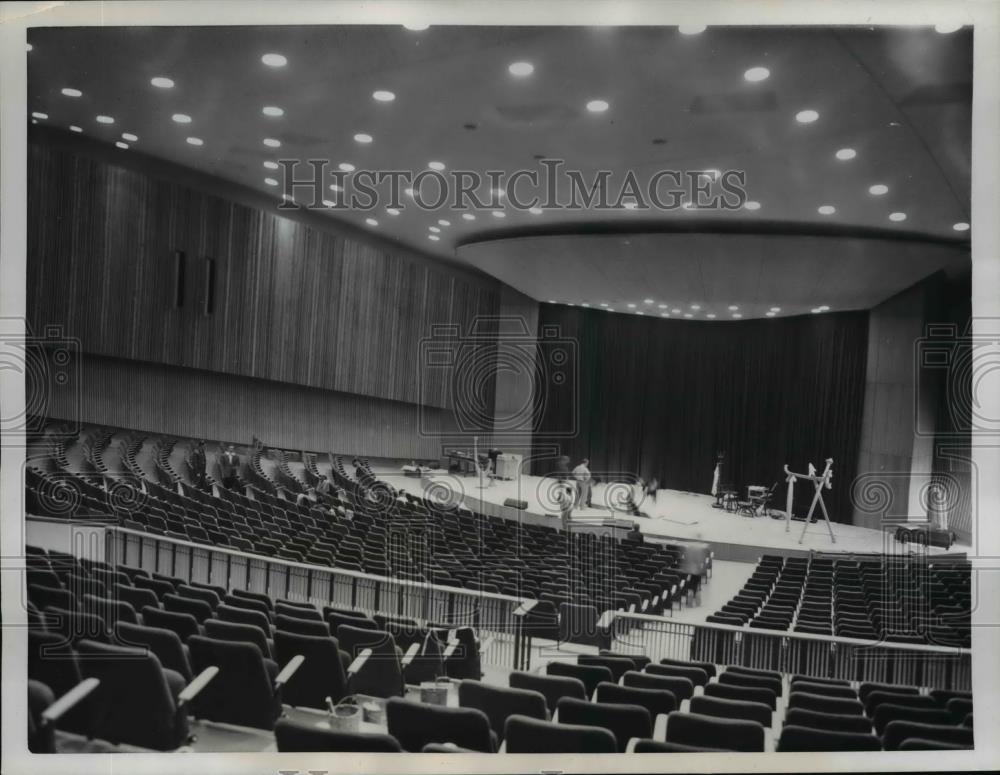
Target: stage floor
(673,515)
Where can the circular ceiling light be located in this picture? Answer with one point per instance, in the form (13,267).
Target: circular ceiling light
(181,118)
(346,167)
(271,165)
(664,314)
(878,189)
(755,74)
(435,165)
(362,137)
(733,307)
(752,205)
(815,310)
(640,312)
(30,47)
(468,216)
(130,137)
(947,27)
(775,309)
(103,120)
(521,69)
(272,110)
(443,222)
(371,221)
(737,315)
(274,60)
(897,217)
(498,214)
(433,237)
(676,311)
(416,26)
(335,187)
(824,308)
(408,191)
(392,210)
(270,142)
(630,305)
(827,210)
(688,315)
(691,29)
(328,203)
(70,92)
(806,116)
(961,226)
(584,304)
(434,229)
(647,301)
(195,141)
(123,146)
(383,96)
(605,304)
(271,181)
(846,154)
(42,116)
(696,307)
(769,314)
(597,106)
(75,128)
(535,210)
(162,82)
(710,315)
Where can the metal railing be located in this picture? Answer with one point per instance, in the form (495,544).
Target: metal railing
(490,615)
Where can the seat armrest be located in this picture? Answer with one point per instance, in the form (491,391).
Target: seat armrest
(768,740)
(58,709)
(289,670)
(630,748)
(411,654)
(200,681)
(503,747)
(660,727)
(359,662)
(450,648)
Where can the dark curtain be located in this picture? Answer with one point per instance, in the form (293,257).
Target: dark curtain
(652,397)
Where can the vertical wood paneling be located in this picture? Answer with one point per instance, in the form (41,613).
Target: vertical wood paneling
(293,303)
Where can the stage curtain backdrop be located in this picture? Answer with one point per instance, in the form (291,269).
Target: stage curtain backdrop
(654,397)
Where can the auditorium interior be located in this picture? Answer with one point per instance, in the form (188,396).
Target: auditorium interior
(498,479)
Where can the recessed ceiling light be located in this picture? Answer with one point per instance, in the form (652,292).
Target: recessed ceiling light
(769,314)
(433,237)
(104,120)
(499,214)
(688,315)
(271,181)
(130,137)
(436,165)
(408,191)
(181,118)
(274,60)
(162,82)
(962,226)
(383,96)
(272,110)
(710,315)
(416,26)
(775,309)
(664,314)
(878,189)
(806,116)
(947,27)
(195,141)
(521,69)
(468,216)
(604,304)
(535,210)
(271,165)
(434,229)
(676,311)
(271,142)
(687,206)
(630,205)
(662,306)
(69,92)
(846,154)
(827,210)
(443,222)
(328,203)
(75,128)
(737,315)
(755,74)
(552,301)
(584,304)
(346,167)
(597,106)
(733,307)
(647,301)
(751,205)
(123,146)
(691,29)
(42,116)
(823,308)
(362,137)
(371,221)
(696,307)
(630,305)
(335,187)
(640,312)
(897,217)
(392,210)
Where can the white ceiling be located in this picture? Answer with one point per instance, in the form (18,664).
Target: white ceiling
(900,97)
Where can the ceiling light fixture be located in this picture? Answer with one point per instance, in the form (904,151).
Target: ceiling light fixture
(416,26)
(433,237)
(630,305)
(769,314)
(383,96)
(162,82)
(897,217)
(362,137)
(271,181)
(647,301)
(270,142)
(392,210)
(272,110)
(69,92)
(676,311)
(498,214)
(806,116)
(468,216)
(271,165)
(947,27)
(434,229)
(274,60)
(755,74)
(775,309)
(733,307)
(443,222)
(521,69)
(435,165)
(597,106)
(103,120)
(75,128)
(180,118)
(195,141)
(130,137)
(878,189)
(737,315)
(346,167)
(371,221)
(691,29)
(827,210)
(710,316)
(535,210)
(123,146)
(846,154)
(751,205)
(961,226)
(688,315)
(42,116)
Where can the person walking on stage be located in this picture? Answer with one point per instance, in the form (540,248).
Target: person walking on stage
(584,484)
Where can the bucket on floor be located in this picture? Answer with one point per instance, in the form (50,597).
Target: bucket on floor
(345,716)
(435,692)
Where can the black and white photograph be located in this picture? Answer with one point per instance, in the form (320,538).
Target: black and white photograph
(510,387)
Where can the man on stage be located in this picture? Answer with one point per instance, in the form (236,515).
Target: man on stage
(584,484)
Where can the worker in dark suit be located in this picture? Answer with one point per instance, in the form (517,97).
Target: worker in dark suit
(196,463)
(229,468)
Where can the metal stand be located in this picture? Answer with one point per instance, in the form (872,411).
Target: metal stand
(819,482)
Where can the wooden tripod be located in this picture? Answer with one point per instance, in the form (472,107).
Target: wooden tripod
(819,482)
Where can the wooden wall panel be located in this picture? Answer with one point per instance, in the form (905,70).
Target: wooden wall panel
(293,303)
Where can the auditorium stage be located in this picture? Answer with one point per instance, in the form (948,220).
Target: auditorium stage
(673,515)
